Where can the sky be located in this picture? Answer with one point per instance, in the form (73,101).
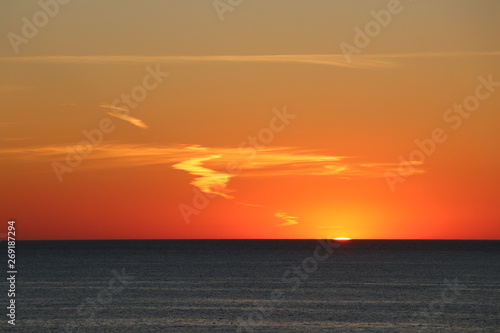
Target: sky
(268,119)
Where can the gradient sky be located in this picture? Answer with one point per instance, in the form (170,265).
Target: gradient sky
(323,173)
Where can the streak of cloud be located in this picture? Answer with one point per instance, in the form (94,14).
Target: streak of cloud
(209,166)
(18,138)
(249,204)
(207,180)
(123,115)
(112,107)
(289,220)
(337,60)
(132,120)
(269,162)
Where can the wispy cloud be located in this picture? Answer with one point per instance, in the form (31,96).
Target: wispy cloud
(123,115)
(289,220)
(211,167)
(250,204)
(196,160)
(132,120)
(337,60)
(114,108)
(18,138)
(207,180)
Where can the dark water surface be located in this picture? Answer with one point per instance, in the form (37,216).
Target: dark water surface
(256,286)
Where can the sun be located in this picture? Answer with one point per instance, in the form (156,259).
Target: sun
(342,239)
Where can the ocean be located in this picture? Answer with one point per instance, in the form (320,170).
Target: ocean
(256,286)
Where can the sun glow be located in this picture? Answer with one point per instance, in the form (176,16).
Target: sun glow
(342,239)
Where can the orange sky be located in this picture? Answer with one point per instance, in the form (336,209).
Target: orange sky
(254,126)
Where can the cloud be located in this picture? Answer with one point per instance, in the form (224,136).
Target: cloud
(337,60)
(124,115)
(115,108)
(132,120)
(249,204)
(232,162)
(18,138)
(198,160)
(212,168)
(207,180)
(289,220)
